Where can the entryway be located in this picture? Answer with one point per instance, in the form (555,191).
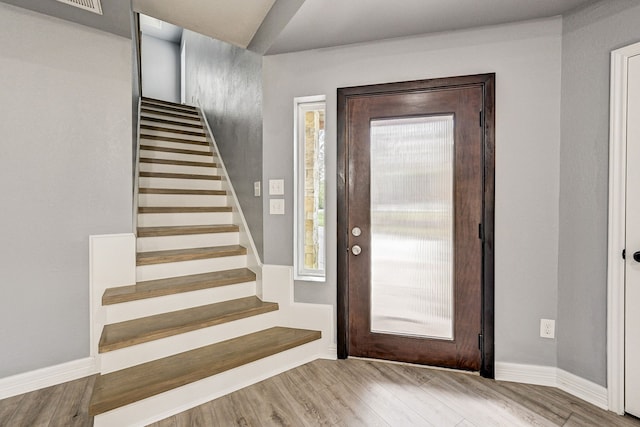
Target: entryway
(415,225)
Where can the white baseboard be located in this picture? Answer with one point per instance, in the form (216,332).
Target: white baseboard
(584,389)
(46,377)
(553,377)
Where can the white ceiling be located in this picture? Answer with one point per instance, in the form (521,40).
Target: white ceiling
(326,23)
(234,21)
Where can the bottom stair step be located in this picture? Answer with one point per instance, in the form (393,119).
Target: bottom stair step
(133,384)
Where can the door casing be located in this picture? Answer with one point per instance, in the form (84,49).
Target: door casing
(617,226)
(487,83)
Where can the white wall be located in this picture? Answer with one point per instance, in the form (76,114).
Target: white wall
(526,58)
(65,172)
(160,69)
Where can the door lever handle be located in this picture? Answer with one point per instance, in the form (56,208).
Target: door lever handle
(636,256)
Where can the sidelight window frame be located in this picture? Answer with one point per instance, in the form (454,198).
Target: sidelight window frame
(302,105)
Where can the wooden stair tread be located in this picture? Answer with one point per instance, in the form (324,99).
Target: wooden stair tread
(124,334)
(176,150)
(179,175)
(170,130)
(184,112)
(172,139)
(186,229)
(190,254)
(163,102)
(182,191)
(182,209)
(130,385)
(176,285)
(144,111)
(178,162)
(172,122)
(169,105)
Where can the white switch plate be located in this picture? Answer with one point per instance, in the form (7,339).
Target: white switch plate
(256,189)
(276,187)
(547,328)
(276,206)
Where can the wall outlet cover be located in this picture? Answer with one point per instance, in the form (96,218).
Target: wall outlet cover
(276,206)
(547,328)
(276,187)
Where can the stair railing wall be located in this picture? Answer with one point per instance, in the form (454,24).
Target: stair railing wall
(253,258)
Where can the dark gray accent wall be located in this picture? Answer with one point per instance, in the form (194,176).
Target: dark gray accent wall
(226,81)
(590,34)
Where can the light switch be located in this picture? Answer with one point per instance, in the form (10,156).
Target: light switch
(276,206)
(256,189)
(276,187)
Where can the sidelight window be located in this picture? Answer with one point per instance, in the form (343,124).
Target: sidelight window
(309,147)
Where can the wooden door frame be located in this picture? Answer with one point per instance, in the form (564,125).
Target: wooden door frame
(617,226)
(487,83)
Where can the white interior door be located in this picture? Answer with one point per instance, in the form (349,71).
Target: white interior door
(632,264)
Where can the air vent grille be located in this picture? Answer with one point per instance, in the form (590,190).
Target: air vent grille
(90,5)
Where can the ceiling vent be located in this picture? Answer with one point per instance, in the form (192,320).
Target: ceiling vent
(90,5)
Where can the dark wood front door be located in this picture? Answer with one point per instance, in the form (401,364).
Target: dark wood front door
(413,236)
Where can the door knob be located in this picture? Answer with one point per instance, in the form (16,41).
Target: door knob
(636,256)
(356,250)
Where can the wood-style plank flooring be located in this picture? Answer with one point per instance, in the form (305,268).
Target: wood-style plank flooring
(345,393)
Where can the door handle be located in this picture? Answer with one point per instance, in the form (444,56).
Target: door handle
(636,256)
(356,250)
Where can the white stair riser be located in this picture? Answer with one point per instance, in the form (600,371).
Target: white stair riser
(159,167)
(173,144)
(157,349)
(152,154)
(181,200)
(172,135)
(166,404)
(181,183)
(149,306)
(171,125)
(204,218)
(174,269)
(147,244)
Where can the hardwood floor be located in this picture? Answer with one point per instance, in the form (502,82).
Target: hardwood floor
(344,393)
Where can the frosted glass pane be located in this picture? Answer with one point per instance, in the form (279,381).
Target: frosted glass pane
(412,226)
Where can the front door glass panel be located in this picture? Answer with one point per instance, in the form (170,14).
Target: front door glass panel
(412,226)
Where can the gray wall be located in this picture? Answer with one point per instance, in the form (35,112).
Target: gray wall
(65,169)
(589,36)
(226,81)
(526,58)
(160,69)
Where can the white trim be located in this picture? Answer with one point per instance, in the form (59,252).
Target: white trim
(46,377)
(136,171)
(583,389)
(553,377)
(313,101)
(526,374)
(617,224)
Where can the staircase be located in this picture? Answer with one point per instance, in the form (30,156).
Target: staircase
(192,327)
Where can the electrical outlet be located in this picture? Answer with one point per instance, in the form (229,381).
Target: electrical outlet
(547,328)
(276,206)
